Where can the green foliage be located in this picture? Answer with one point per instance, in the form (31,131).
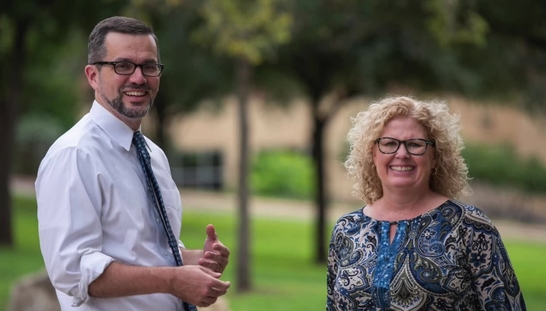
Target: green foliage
(283,174)
(58,95)
(35,134)
(466,26)
(499,164)
(509,64)
(249,30)
(193,73)
(51,107)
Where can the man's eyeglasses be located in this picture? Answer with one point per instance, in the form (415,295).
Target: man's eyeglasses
(414,146)
(128,68)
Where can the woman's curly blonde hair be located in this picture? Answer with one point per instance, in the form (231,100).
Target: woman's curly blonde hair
(451,173)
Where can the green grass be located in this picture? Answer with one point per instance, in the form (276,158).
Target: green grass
(25,256)
(284,276)
(529,261)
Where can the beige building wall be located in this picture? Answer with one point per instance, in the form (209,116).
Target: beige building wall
(275,127)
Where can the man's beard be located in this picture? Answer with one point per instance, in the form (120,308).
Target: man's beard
(133,113)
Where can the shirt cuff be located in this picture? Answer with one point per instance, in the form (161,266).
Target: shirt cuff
(92,266)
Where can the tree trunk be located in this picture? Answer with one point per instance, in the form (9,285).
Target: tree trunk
(243,254)
(8,116)
(320,122)
(6,134)
(321,197)
(161,119)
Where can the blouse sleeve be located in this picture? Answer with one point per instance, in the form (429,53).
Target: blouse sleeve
(332,266)
(493,276)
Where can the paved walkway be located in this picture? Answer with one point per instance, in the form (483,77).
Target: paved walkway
(297,210)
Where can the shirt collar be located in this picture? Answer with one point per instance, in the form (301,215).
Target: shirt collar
(112,126)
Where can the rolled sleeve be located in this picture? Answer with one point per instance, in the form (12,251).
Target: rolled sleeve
(91,267)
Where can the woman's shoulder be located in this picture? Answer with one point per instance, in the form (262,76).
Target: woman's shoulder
(352,216)
(470,214)
(351,220)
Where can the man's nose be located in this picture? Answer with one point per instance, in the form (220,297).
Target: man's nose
(138,77)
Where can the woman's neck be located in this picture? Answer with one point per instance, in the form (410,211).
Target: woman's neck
(397,205)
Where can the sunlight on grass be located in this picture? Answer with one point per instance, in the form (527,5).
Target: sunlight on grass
(528,260)
(284,274)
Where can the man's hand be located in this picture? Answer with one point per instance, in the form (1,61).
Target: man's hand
(215,254)
(197,285)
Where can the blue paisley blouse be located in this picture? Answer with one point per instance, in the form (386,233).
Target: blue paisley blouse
(451,258)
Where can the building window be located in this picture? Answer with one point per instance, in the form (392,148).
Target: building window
(198,170)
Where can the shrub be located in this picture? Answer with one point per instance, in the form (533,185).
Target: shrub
(282,173)
(499,164)
(35,134)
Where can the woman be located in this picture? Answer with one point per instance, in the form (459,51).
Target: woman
(413,246)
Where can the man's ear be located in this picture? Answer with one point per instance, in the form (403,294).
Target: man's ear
(92,74)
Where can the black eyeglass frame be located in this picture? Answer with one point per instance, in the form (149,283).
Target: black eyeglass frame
(400,142)
(113,64)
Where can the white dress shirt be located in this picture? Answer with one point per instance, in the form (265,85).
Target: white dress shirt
(94,208)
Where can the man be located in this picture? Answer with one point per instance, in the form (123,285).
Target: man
(104,230)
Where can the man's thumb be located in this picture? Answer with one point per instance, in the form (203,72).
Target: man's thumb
(211,232)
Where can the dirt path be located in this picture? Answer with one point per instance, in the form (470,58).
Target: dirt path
(298,210)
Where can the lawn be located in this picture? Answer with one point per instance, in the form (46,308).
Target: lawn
(284,276)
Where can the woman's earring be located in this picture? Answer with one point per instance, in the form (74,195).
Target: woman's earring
(434,171)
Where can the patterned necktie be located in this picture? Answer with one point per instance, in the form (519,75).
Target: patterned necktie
(157,199)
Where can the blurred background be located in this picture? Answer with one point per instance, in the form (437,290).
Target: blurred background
(255,103)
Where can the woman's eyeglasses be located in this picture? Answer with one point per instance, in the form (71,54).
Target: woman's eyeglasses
(414,146)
